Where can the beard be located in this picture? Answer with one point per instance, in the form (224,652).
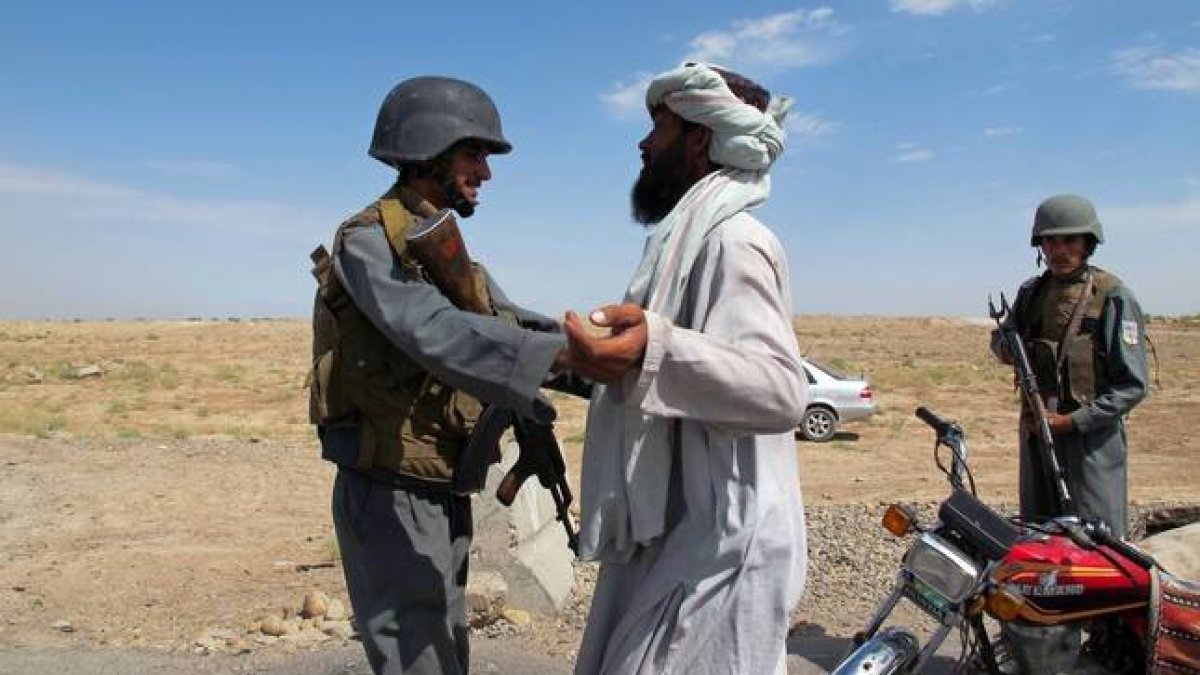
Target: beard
(661,184)
(458,201)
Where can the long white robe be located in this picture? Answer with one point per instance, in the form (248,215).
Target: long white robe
(714,594)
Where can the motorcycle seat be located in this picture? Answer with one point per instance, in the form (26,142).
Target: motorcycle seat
(976,522)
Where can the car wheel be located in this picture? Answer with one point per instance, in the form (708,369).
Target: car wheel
(819,424)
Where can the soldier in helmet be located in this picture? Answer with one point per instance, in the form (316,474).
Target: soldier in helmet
(400,376)
(1086,340)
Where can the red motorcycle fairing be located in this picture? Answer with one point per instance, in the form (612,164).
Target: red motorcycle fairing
(1062,582)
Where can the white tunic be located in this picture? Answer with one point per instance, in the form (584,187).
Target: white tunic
(714,594)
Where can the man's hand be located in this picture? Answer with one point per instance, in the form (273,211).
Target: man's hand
(1059,424)
(1005,356)
(605,359)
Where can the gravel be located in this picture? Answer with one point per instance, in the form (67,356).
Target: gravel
(852,563)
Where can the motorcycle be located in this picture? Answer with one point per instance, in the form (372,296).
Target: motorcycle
(973,563)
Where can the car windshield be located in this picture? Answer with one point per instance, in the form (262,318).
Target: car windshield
(830,370)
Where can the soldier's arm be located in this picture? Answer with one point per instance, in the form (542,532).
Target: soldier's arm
(1123,335)
(484,356)
(566,382)
(526,317)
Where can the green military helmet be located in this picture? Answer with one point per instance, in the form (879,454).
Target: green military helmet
(423,116)
(1065,214)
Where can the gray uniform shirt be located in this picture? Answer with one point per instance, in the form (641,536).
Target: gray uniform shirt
(484,356)
(1093,456)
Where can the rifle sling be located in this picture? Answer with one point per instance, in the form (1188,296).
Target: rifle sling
(1076,318)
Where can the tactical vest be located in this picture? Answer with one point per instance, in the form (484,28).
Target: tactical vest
(1047,320)
(408,421)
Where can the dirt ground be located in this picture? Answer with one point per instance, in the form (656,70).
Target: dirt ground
(160,483)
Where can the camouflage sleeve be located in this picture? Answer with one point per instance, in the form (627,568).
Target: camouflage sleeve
(484,356)
(1123,337)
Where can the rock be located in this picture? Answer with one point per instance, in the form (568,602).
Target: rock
(208,644)
(341,630)
(1178,551)
(314,605)
(518,617)
(336,611)
(34,376)
(486,591)
(239,646)
(524,542)
(90,370)
(276,627)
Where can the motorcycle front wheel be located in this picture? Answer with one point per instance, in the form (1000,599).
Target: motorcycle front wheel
(889,652)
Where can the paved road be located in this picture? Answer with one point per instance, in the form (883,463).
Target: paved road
(810,655)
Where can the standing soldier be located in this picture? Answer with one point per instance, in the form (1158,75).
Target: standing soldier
(400,373)
(1087,344)
(1086,341)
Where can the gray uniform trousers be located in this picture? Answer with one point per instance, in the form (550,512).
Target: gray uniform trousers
(1094,466)
(404,551)
(1093,459)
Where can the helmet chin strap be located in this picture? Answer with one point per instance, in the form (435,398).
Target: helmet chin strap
(1038,262)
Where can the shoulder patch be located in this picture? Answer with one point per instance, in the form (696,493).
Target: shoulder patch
(1129,332)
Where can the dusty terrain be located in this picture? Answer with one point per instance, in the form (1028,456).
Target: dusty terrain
(160,488)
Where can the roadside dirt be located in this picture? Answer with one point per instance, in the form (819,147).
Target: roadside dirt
(177,494)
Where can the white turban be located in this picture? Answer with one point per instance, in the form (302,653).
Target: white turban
(743,137)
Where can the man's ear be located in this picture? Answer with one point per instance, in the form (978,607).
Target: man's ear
(698,138)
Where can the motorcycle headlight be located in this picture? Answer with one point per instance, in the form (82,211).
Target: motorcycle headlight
(942,567)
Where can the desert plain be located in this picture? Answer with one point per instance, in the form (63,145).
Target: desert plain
(159,480)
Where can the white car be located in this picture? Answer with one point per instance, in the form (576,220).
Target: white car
(835,398)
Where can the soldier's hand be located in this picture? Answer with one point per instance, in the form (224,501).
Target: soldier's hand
(606,359)
(1003,354)
(1060,424)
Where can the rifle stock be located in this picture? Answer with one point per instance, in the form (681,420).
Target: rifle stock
(1028,384)
(438,245)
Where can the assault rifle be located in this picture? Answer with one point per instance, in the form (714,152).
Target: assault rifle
(1028,384)
(437,244)
(540,456)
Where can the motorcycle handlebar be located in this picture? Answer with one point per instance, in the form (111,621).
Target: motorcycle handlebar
(929,417)
(1139,558)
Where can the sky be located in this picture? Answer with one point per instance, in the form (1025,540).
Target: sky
(178,160)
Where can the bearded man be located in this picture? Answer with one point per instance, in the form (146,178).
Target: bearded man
(690,494)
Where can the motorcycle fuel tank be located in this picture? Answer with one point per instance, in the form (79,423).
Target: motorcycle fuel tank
(1062,582)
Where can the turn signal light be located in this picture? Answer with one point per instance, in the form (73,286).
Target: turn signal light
(898,520)
(1004,604)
